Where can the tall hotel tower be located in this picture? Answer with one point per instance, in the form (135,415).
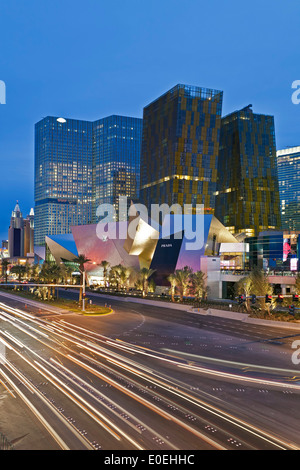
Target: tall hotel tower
(180,147)
(117,144)
(247,199)
(80,165)
(63,176)
(288,163)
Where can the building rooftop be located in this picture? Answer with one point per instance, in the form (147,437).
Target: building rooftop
(288,151)
(189,91)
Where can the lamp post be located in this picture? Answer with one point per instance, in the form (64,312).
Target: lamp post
(83,288)
(83,291)
(80,261)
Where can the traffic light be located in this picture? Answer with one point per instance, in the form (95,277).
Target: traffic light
(292,309)
(253,299)
(295,298)
(268,298)
(242,299)
(280,298)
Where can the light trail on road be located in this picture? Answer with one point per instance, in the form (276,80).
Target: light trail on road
(34,410)
(59,384)
(68,342)
(71,394)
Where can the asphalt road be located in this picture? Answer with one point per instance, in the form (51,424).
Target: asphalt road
(196,334)
(145,378)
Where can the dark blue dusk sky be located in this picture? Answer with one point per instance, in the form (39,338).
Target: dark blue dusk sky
(89,59)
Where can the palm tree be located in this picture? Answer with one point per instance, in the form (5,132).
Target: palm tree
(5,264)
(244,287)
(256,283)
(46,276)
(121,276)
(35,271)
(55,274)
(19,270)
(44,272)
(151,285)
(27,270)
(66,272)
(81,260)
(198,285)
(105,266)
(115,276)
(261,287)
(183,279)
(125,277)
(50,274)
(173,281)
(144,276)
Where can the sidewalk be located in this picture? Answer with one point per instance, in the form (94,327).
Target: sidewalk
(33,303)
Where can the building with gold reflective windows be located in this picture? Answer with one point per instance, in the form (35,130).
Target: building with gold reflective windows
(247,197)
(180,147)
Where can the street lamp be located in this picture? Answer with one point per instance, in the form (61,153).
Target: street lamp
(83,291)
(83,287)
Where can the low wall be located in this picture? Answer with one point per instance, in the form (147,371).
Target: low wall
(244,317)
(139,300)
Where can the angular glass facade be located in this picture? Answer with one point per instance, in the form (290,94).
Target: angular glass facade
(247,197)
(63,176)
(288,163)
(180,147)
(79,165)
(117,151)
(266,250)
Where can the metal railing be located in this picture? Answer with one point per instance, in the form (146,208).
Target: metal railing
(269,273)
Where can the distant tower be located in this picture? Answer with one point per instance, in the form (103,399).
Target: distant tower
(15,233)
(20,233)
(29,234)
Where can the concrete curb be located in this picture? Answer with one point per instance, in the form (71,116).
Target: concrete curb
(97,314)
(155,303)
(47,308)
(244,317)
(33,303)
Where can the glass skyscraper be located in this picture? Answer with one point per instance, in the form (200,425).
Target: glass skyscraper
(247,198)
(288,163)
(116,160)
(63,175)
(180,147)
(79,165)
